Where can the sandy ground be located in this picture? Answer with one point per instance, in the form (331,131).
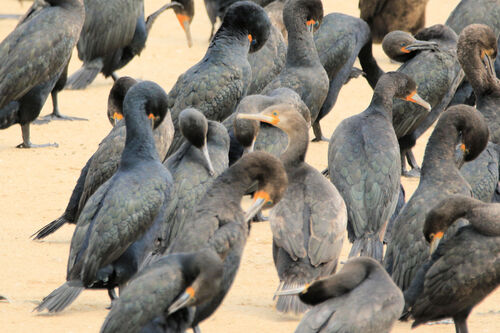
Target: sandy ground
(36,184)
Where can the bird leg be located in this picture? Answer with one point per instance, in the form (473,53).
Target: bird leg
(196,329)
(112,297)
(461,325)
(318,135)
(415,171)
(55,115)
(25,129)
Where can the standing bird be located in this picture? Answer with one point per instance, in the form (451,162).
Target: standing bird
(364,164)
(339,40)
(103,164)
(477,49)
(170,285)
(32,58)
(360,298)
(219,223)
(196,165)
(384,16)
(430,60)
(459,125)
(462,270)
(303,70)
(122,210)
(114,32)
(217,83)
(308,224)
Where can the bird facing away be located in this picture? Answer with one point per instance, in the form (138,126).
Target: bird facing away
(216,84)
(32,58)
(195,166)
(361,298)
(114,32)
(436,72)
(384,16)
(339,40)
(103,164)
(123,209)
(364,164)
(219,223)
(459,125)
(308,223)
(172,284)
(462,270)
(303,70)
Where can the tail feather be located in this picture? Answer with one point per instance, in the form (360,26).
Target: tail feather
(60,298)
(291,303)
(49,228)
(85,75)
(369,246)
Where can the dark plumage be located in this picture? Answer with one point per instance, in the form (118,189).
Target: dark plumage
(33,57)
(339,40)
(475,11)
(364,164)
(274,10)
(464,269)
(112,230)
(361,298)
(192,172)
(216,84)
(459,125)
(103,164)
(303,70)
(437,74)
(476,49)
(265,137)
(114,32)
(308,224)
(384,16)
(165,289)
(218,221)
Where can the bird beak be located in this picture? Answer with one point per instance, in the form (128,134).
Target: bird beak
(293,291)
(117,117)
(260,198)
(415,98)
(419,45)
(185,24)
(460,155)
(260,117)
(184,300)
(152,117)
(310,25)
(250,149)
(488,63)
(435,241)
(210,168)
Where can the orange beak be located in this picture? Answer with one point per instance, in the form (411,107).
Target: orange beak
(404,50)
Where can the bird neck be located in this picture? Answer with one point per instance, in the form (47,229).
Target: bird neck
(382,101)
(298,141)
(227,40)
(480,79)
(301,47)
(439,153)
(139,142)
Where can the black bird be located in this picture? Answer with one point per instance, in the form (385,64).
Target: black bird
(464,269)
(477,49)
(103,164)
(122,210)
(339,40)
(436,72)
(196,165)
(170,285)
(309,222)
(364,164)
(303,70)
(265,137)
(458,125)
(360,298)
(33,57)
(218,221)
(216,84)
(114,32)
(384,16)
(185,14)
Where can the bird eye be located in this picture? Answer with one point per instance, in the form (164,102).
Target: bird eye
(275,113)
(253,42)
(403,44)
(316,24)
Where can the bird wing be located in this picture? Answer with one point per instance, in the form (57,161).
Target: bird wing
(35,52)
(370,8)
(109,25)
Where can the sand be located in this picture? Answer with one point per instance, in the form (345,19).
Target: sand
(35,186)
